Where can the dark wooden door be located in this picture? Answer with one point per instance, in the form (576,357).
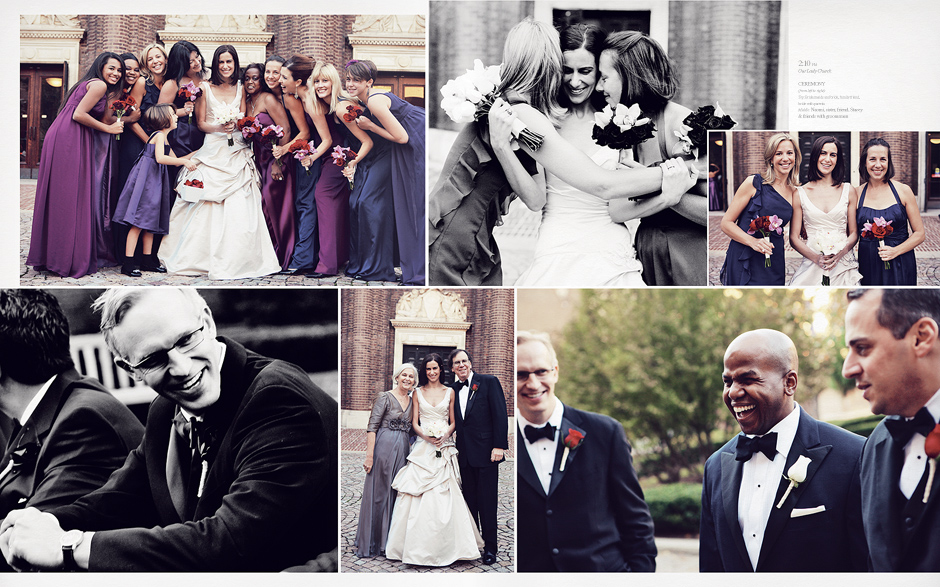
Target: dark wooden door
(41,90)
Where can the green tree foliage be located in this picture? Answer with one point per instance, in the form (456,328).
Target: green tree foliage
(652,359)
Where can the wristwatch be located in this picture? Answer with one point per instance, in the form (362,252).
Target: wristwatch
(70,541)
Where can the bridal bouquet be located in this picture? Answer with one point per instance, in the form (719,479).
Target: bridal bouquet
(120,107)
(827,242)
(623,127)
(229,114)
(341,158)
(436,429)
(701,121)
(191,92)
(766,225)
(470,96)
(249,126)
(877,230)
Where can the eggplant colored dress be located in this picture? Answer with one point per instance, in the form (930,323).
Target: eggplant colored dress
(277,197)
(372,213)
(146,199)
(71,225)
(392,427)
(745,266)
(902,270)
(332,196)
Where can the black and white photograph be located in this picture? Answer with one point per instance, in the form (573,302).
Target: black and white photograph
(575,135)
(169,429)
(427,464)
(284,150)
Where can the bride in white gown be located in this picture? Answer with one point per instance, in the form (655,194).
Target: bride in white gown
(219,230)
(431,523)
(826,205)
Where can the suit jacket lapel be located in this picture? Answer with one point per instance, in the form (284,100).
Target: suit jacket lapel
(883,516)
(567,423)
(526,468)
(731,471)
(807,435)
(157,455)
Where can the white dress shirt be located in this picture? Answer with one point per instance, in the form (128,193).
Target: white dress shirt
(542,451)
(759,481)
(463,395)
(915,456)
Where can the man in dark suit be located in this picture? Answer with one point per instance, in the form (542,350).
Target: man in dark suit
(482,436)
(752,519)
(580,505)
(237,470)
(70,433)
(894,357)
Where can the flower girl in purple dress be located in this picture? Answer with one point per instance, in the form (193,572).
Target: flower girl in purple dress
(146,200)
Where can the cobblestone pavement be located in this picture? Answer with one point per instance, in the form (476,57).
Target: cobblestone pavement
(352,481)
(112,275)
(927,253)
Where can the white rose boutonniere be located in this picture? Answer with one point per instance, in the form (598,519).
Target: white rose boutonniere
(796,475)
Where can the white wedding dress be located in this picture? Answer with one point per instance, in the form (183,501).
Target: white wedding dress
(845,273)
(431,524)
(222,233)
(578,243)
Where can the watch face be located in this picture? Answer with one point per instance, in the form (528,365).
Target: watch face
(71,539)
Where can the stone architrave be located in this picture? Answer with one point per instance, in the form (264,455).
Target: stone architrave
(394,42)
(52,39)
(429,317)
(246,32)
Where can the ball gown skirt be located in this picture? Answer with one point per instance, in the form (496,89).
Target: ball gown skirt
(902,270)
(431,524)
(70,235)
(392,427)
(146,199)
(745,266)
(277,197)
(578,243)
(845,272)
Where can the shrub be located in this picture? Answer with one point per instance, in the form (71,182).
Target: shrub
(675,508)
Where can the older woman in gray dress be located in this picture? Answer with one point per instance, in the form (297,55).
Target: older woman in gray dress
(387,449)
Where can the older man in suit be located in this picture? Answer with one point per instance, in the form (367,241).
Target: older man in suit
(70,434)
(894,357)
(580,506)
(237,470)
(482,436)
(784,494)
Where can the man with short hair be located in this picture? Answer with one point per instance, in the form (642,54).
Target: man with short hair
(894,358)
(580,505)
(70,434)
(482,436)
(237,470)
(783,495)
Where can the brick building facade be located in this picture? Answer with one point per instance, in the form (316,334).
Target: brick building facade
(382,327)
(724,51)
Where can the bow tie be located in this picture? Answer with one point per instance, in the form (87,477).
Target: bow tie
(902,430)
(766,444)
(196,432)
(533,434)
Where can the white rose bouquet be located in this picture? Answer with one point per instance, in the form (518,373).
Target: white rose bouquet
(436,429)
(229,114)
(827,242)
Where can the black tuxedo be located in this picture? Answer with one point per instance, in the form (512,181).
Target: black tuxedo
(75,438)
(482,428)
(903,535)
(831,540)
(270,497)
(594,517)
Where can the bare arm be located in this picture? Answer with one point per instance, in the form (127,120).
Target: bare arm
(137,93)
(203,124)
(798,244)
(82,114)
(529,190)
(728,222)
(296,111)
(170,159)
(393,130)
(168,95)
(917,226)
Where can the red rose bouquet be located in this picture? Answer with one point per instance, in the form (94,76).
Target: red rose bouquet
(122,106)
(300,149)
(877,230)
(342,157)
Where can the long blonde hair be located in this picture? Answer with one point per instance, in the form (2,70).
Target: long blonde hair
(327,71)
(532,65)
(793,178)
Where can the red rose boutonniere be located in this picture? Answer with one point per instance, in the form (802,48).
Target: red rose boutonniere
(932,448)
(475,387)
(572,441)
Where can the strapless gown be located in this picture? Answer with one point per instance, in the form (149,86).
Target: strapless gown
(845,273)
(578,244)
(431,524)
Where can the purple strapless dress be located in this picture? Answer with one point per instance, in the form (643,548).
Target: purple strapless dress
(277,197)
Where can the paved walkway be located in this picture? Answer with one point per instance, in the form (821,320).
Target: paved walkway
(108,276)
(927,253)
(352,478)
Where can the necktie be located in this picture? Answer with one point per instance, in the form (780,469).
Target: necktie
(766,444)
(902,430)
(533,434)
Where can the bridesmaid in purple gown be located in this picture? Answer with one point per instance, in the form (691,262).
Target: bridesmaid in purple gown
(277,189)
(69,234)
(332,193)
(402,124)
